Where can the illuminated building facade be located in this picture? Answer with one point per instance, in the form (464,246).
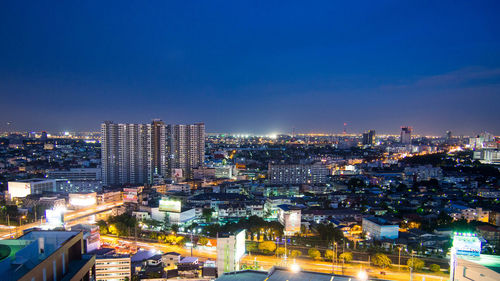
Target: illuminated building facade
(290,217)
(23,188)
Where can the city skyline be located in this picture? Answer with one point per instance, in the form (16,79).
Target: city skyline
(253,68)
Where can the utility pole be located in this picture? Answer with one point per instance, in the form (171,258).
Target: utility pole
(411,267)
(333,262)
(399,258)
(336,262)
(285,257)
(192,242)
(8,223)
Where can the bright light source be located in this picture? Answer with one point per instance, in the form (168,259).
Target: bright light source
(295,268)
(362,275)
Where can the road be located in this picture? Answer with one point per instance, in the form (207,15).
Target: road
(266,262)
(71,217)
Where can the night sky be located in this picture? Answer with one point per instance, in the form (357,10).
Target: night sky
(252,66)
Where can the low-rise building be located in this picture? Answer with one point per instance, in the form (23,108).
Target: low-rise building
(290,217)
(22,188)
(378,228)
(110,266)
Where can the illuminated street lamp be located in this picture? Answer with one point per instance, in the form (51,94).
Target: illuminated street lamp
(362,275)
(295,268)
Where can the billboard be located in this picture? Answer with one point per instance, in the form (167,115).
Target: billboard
(54,217)
(169,205)
(82,200)
(466,244)
(130,195)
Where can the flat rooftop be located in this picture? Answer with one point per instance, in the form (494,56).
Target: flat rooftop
(21,255)
(489,261)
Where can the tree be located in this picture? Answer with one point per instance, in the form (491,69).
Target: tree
(346,256)
(415,263)
(103,227)
(203,241)
(381,260)
(329,232)
(435,267)
(295,253)
(355,183)
(207,214)
(175,228)
(314,254)
(252,247)
(329,255)
(267,247)
(280,251)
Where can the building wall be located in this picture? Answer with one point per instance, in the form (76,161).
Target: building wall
(377,231)
(58,264)
(113,268)
(297,174)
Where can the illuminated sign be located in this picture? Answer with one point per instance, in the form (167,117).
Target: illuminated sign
(54,217)
(169,205)
(130,195)
(467,244)
(82,200)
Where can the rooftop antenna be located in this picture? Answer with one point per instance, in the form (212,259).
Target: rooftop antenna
(345,128)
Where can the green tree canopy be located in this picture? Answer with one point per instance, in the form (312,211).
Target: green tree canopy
(381,260)
(415,263)
(267,247)
(314,254)
(435,267)
(346,256)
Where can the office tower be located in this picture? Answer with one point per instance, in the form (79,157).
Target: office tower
(369,137)
(132,153)
(185,149)
(406,135)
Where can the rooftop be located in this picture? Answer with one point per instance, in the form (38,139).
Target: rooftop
(283,274)
(23,254)
(489,261)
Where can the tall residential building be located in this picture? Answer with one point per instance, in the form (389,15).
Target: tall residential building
(159,156)
(406,135)
(185,149)
(132,153)
(369,137)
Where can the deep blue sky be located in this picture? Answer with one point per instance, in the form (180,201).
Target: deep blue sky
(252,66)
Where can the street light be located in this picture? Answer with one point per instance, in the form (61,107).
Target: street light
(362,275)
(295,268)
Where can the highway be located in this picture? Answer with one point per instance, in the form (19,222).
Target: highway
(71,217)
